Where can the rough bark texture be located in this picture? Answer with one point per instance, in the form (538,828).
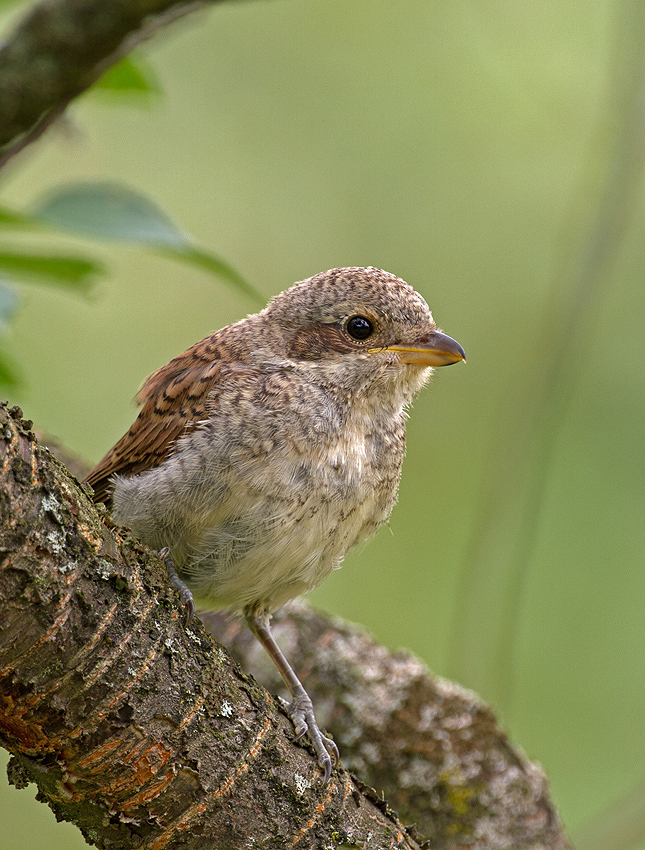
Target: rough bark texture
(59,49)
(145,734)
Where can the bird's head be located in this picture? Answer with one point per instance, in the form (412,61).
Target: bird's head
(359,324)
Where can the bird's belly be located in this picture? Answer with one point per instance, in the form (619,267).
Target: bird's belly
(267,546)
(270,554)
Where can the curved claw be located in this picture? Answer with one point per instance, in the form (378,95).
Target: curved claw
(189,606)
(301,711)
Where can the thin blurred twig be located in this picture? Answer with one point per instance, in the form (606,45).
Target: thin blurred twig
(528,425)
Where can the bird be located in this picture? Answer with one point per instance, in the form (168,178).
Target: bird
(266,451)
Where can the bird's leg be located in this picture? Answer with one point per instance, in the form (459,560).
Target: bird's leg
(301,709)
(181,587)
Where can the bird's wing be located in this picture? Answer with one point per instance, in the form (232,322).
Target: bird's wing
(173,400)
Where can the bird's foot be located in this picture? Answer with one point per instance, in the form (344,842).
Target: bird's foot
(181,587)
(301,711)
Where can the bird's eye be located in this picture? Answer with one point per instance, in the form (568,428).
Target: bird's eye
(358,327)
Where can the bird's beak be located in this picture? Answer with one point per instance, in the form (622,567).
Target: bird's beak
(433,349)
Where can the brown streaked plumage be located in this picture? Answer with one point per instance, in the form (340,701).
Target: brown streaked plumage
(173,400)
(263,453)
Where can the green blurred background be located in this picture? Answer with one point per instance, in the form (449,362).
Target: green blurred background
(464,146)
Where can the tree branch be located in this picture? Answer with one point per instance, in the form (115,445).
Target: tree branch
(60,48)
(144,734)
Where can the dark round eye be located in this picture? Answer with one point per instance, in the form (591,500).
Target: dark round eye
(358,327)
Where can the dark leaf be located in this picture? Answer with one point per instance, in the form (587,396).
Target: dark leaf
(74,272)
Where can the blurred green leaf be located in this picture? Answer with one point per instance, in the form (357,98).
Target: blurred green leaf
(12,218)
(74,272)
(9,373)
(8,305)
(129,77)
(112,211)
